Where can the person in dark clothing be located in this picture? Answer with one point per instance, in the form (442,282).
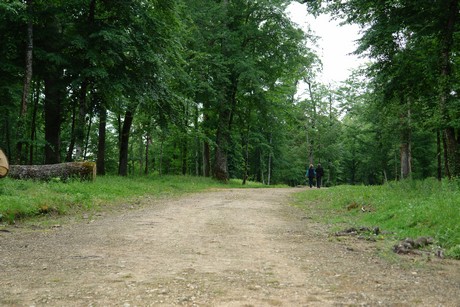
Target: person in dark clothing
(311,175)
(319,175)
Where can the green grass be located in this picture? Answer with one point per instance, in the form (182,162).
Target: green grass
(20,199)
(407,209)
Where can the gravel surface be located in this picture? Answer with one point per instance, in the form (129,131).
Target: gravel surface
(238,247)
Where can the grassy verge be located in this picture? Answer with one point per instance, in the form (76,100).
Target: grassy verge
(21,199)
(407,209)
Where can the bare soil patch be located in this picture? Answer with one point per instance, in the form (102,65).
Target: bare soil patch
(239,247)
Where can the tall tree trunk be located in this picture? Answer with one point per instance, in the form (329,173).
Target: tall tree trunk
(269,171)
(197,142)
(160,167)
(124,144)
(90,123)
(27,80)
(206,150)
(312,124)
(246,154)
(33,124)
(81,120)
(82,98)
(405,147)
(71,148)
(52,108)
(206,159)
(147,145)
(438,154)
(446,156)
(223,133)
(447,40)
(222,143)
(101,139)
(184,156)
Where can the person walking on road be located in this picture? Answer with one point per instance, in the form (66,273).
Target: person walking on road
(319,175)
(311,175)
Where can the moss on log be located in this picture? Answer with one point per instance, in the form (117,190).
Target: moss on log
(4,166)
(63,171)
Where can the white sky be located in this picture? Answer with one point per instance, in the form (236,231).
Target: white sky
(336,43)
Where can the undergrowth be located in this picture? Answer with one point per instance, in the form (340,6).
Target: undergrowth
(407,209)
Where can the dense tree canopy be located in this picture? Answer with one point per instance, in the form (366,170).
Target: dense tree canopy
(208,88)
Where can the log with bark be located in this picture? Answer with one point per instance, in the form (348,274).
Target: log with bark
(63,171)
(4,167)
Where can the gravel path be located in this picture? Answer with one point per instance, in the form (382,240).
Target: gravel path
(244,247)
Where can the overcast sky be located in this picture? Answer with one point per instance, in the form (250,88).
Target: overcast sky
(336,43)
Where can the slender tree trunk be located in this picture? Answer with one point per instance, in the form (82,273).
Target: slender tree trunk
(82,98)
(447,41)
(29,63)
(71,148)
(220,159)
(312,124)
(147,145)
(206,151)
(81,120)
(405,147)
(446,156)
(262,174)
(33,124)
(184,156)
(246,155)
(223,134)
(52,108)
(160,167)
(269,171)
(197,143)
(90,123)
(438,154)
(101,140)
(206,159)
(124,145)
(27,80)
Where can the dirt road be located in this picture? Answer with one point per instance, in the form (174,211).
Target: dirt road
(220,248)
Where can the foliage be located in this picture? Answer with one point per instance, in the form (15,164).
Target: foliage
(201,87)
(410,208)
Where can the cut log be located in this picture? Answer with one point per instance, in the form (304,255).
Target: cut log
(4,167)
(63,171)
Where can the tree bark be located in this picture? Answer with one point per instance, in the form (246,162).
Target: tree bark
(27,80)
(33,124)
(82,99)
(223,133)
(269,170)
(438,155)
(206,159)
(81,120)
(72,135)
(88,132)
(52,107)
(405,147)
(148,141)
(101,140)
(124,144)
(447,40)
(64,171)
(206,150)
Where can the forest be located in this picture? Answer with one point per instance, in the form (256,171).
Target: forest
(209,88)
